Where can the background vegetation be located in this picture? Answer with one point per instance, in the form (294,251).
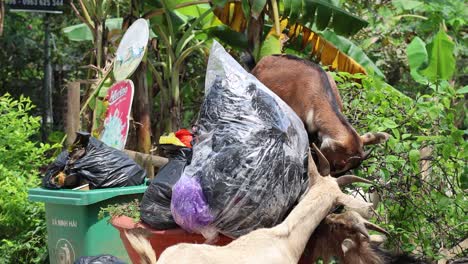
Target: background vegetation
(413,54)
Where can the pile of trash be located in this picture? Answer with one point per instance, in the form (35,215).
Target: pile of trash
(242,169)
(247,165)
(91,162)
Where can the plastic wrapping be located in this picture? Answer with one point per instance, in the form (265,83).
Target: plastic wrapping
(247,169)
(155,207)
(101,259)
(91,161)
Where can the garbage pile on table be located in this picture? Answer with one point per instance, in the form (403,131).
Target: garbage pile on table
(247,165)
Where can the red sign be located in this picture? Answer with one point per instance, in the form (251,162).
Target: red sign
(119,97)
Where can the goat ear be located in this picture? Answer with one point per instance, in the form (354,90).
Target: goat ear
(312,169)
(377,240)
(329,143)
(324,165)
(352,202)
(346,245)
(374,138)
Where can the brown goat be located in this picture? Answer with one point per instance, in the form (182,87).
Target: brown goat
(344,237)
(313,95)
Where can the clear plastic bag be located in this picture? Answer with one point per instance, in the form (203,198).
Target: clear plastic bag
(101,259)
(247,169)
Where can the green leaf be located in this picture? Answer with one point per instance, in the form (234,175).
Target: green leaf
(287,8)
(463,90)
(257,8)
(417,57)
(407,4)
(227,35)
(308,13)
(441,60)
(388,123)
(246,8)
(321,12)
(296,10)
(414,156)
(352,50)
(81,32)
(324,15)
(271,45)
(219,3)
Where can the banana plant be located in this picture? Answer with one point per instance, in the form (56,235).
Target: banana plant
(93,14)
(293,21)
(176,40)
(432,62)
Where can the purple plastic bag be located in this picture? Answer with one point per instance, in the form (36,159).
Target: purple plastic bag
(247,169)
(193,212)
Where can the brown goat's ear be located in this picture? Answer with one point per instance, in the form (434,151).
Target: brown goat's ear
(374,138)
(323,164)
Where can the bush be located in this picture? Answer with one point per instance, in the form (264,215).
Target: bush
(422,168)
(22,223)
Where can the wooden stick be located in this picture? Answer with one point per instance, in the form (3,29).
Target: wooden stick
(146,159)
(73,111)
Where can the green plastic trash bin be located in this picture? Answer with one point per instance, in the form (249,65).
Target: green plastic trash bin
(73,228)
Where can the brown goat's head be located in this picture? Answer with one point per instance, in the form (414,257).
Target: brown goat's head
(345,237)
(349,153)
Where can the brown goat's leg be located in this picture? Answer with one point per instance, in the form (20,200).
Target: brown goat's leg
(374,138)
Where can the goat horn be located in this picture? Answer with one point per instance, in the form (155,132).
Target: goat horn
(324,165)
(346,245)
(375,227)
(367,154)
(348,179)
(361,228)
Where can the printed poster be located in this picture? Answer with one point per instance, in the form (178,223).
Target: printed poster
(116,123)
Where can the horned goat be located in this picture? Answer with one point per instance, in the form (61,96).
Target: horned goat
(313,95)
(283,243)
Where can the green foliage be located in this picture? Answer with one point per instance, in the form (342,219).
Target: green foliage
(130,209)
(441,60)
(420,169)
(349,48)
(178,43)
(324,14)
(22,225)
(417,57)
(271,45)
(81,32)
(402,28)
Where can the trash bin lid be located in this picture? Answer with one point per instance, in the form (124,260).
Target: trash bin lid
(77,197)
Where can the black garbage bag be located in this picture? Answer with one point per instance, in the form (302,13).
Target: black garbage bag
(101,259)
(91,161)
(247,169)
(155,207)
(50,179)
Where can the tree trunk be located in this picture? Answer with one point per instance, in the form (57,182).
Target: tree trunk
(254,35)
(2,16)
(73,111)
(142,116)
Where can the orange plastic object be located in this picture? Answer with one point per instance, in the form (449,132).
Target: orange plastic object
(162,239)
(185,136)
(159,239)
